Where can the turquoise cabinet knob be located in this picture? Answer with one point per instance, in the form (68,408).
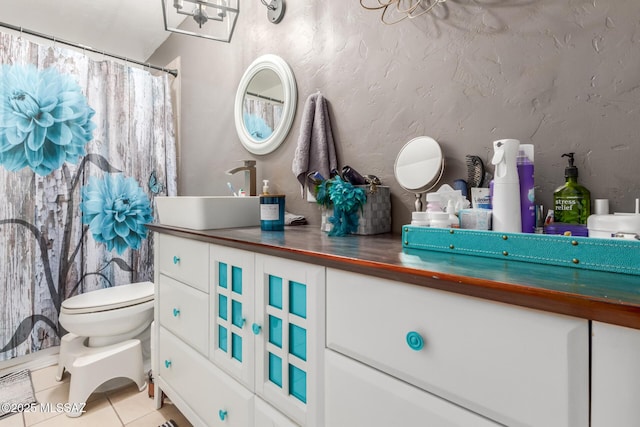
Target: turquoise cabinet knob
(176,312)
(256,328)
(167,364)
(415,341)
(176,259)
(222,414)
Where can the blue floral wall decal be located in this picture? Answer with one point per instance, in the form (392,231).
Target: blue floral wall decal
(257,127)
(44,119)
(116,210)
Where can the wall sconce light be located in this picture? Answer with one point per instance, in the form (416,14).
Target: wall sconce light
(209,19)
(275,10)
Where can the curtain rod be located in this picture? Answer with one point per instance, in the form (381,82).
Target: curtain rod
(173,72)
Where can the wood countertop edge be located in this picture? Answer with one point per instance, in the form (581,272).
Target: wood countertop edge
(560,302)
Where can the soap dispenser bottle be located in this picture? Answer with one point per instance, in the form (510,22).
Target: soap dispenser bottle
(572,201)
(506,187)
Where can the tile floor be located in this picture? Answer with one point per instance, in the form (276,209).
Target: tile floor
(125,406)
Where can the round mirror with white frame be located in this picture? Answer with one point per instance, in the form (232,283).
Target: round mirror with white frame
(419,166)
(265,104)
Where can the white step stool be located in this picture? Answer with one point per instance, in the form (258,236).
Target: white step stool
(92,366)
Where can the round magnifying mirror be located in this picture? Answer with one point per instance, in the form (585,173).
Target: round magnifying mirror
(265,104)
(419,166)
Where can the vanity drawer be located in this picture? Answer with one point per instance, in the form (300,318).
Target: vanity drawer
(185,260)
(357,395)
(184,311)
(515,365)
(213,395)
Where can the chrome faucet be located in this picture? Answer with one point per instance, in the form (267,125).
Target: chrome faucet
(249,169)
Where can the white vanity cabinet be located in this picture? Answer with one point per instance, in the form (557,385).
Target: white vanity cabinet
(238,336)
(512,365)
(615,375)
(245,339)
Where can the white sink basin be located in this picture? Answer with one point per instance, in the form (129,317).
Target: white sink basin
(207,212)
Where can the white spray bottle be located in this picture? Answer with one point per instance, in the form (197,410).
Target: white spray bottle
(506,187)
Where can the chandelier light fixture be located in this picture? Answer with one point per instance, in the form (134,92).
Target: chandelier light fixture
(212,19)
(394,11)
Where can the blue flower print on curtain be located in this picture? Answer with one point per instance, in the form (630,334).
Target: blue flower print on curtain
(257,127)
(116,210)
(44,119)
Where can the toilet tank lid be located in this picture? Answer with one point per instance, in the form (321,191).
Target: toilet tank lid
(116,296)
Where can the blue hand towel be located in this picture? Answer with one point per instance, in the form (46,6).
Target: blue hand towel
(316,148)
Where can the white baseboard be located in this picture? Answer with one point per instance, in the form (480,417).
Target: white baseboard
(34,361)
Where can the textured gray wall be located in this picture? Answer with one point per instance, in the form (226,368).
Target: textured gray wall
(562,75)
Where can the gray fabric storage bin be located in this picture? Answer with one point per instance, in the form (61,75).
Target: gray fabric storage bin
(375,217)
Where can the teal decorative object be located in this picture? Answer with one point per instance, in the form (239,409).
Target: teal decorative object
(44,119)
(346,199)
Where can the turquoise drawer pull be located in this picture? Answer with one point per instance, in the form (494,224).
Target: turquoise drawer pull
(176,312)
(256,329)
(415,341)
(176,259)
(167,364)
(222,414)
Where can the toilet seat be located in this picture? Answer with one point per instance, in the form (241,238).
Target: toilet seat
(106,299)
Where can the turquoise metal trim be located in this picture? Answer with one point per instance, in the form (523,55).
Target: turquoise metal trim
(589,253)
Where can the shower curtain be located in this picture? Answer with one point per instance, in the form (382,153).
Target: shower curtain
(85,146)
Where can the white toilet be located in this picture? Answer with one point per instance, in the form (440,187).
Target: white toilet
(104,340)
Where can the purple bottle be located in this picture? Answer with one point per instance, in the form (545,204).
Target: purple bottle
(527,188)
